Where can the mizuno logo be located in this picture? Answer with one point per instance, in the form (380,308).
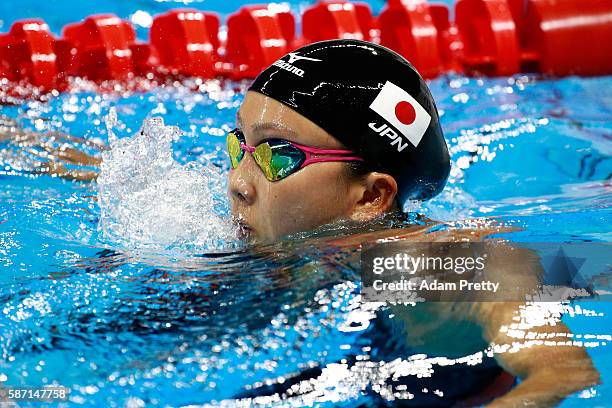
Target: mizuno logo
(288,65)
(293,56)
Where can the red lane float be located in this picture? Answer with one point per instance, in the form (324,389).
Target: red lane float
(256,37)
(100,47)
(408,28)
(569,37)
(488,32)
(186,42)
(491,37)
(449,44)
(503,37)
(337,19)
(27,52)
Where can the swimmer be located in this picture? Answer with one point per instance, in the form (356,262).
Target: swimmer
(339,130)
(348,130)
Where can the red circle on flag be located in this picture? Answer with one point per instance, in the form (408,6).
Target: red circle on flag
(405,113)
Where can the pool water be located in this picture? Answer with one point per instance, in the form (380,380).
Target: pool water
(128,303)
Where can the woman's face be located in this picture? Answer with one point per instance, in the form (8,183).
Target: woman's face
(317,194)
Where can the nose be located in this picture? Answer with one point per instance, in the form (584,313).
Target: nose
(240,187)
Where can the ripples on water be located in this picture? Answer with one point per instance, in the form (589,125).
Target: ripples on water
(134,290)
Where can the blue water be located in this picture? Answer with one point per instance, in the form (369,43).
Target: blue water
(121,327)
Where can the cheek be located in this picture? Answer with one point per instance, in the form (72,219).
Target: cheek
(306,200)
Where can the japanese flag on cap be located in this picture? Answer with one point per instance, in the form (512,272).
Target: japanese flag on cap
(402,111)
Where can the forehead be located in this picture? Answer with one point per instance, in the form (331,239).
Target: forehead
(260,116)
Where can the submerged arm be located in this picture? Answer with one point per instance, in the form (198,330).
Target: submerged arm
(50,153)
(542,354)
(549,373)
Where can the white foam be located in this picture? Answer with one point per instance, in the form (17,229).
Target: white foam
(149,200)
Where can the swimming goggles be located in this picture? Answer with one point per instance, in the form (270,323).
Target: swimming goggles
(279,158)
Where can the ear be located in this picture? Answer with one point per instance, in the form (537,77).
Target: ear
(376,196)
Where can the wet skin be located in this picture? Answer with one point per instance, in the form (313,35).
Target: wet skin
(51,153)
(315,195)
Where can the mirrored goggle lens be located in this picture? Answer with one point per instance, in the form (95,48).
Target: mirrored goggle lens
(234,150)
(278,159)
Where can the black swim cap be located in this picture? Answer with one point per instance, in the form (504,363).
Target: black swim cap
(373,101)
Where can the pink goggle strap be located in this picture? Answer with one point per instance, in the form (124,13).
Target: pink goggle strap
(310,151)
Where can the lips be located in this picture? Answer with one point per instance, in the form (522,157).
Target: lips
(244,229)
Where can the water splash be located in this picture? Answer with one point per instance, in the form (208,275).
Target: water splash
(149,200)
(111,121)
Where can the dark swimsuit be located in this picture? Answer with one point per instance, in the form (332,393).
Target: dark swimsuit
(461,385)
